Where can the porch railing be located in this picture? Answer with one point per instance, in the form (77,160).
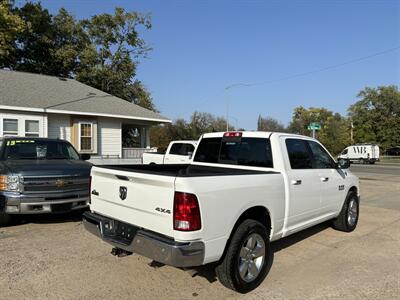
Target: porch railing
(136,152)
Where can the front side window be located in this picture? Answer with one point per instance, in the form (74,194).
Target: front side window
(31,128)
(321,158)
(299,155)
(86,137)
(10,127)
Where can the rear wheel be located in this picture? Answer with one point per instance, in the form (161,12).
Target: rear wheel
(348,217)
(247,258)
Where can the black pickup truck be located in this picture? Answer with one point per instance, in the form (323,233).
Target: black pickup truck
(40,175)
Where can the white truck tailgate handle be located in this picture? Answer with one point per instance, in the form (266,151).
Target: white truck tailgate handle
(296,182)
(324,179)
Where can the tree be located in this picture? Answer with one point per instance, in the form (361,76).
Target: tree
(69,42)
(102,52)
(303,117)
(269,124)
(334,133)
(376,117)
(180,129)
(34,45)
(11,26)
(138,94)
(110,63)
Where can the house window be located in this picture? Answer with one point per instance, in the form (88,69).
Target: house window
(31,128)
(86,136)
(10,127)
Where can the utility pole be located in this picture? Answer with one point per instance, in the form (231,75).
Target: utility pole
(351,131)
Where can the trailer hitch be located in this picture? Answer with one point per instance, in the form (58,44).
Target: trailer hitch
(120,252)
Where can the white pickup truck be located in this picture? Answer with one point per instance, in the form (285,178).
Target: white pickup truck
(178,152)
(242,190)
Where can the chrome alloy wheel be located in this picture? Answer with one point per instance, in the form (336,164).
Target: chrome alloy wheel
(252,257)
(352,212)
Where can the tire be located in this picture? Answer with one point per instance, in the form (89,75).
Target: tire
(253,235)
(348,217)
(362,161)
(4,219)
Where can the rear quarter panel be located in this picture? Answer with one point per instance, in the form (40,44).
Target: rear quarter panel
(223,199)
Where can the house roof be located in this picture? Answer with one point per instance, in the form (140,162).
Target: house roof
(42,93)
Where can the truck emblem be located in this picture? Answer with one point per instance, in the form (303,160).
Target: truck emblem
(123,191)
(163,210)
(60,183)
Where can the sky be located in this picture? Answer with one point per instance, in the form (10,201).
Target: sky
(283,49)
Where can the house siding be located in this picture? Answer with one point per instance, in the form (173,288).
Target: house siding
(109,137)
(59,127)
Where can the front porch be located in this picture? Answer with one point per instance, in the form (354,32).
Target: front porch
(135,140)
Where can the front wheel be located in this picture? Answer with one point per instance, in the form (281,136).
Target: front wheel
(348,217)
(4,219)
(247,259)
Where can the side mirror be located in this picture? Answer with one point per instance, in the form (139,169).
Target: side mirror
(85,156)
(190,155)
(343,164)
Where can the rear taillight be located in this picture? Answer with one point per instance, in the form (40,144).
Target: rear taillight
(90,189)
(186,212)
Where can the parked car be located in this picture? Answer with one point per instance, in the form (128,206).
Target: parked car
(178,152)
(242,190)
(361,153)
(39,175)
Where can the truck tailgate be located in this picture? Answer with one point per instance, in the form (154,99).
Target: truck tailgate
(144,194)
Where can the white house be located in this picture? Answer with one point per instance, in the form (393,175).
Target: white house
(93,121)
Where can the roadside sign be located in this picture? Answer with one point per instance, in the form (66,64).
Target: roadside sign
(314,126)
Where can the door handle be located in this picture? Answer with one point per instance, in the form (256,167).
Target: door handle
(324,179)
(296,182)
(94,192)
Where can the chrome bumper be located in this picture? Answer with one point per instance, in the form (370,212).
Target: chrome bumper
(154,246)
(21,204)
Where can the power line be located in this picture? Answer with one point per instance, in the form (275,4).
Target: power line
(313,71)
(243,84)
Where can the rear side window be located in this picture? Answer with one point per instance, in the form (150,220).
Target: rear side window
(254,152)
(181,149)
(299,155)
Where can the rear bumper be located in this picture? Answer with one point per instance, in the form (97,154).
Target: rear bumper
(39,204)
(154,246)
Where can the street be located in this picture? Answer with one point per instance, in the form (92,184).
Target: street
(379,168)
(48,257)
(372,177)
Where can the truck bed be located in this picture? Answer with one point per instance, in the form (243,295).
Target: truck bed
(187,170)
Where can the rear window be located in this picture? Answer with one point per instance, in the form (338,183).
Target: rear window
(254,152)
